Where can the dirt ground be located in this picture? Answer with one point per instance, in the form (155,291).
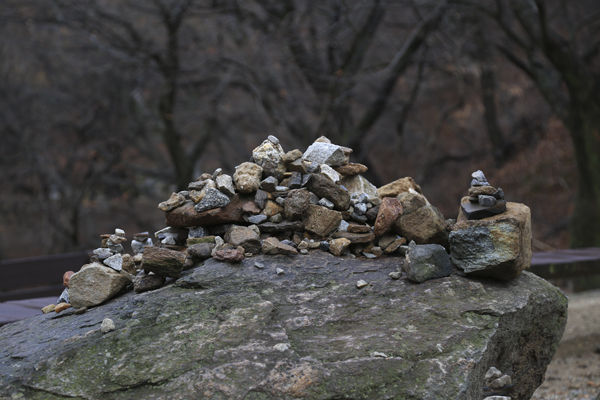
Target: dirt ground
(574,373)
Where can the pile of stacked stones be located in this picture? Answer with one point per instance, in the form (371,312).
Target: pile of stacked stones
(293,202)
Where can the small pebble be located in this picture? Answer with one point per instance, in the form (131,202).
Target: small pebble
(48,308)
(257,219)
(303,251)
(360,208)
(107,325)
(486,201)
(361,284)
(273,139)
(259,265)
(279,271)
(379,354)
(492,373)
(501,382)
(343,226)
(395,274)
(281,346)
(326,203)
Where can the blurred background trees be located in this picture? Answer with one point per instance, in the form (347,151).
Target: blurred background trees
(107,106)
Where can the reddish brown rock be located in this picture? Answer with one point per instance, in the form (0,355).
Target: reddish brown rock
(389,211)
(250,207)
(351,169)
(235,255)
(186,215)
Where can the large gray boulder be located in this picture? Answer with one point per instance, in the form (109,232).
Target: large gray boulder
(240,332)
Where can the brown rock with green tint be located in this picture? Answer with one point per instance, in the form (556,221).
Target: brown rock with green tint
(321,220)
(163,261)
(497,247)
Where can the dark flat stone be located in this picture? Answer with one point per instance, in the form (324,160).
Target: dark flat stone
(476,211)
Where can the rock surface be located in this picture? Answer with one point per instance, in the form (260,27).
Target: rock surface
(239,332)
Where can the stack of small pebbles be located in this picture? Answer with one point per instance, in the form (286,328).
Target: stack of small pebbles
(112,253)
(483,200)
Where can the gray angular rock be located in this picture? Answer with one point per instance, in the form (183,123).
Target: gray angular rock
(326,153)
(440,337)
(486,201)
(479,179)
(115,262)
(213,198)
(269,184)
(102,253)
(426,261)
(257,219)
(326,203)
(224,183)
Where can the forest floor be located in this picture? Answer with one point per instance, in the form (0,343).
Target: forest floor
(574,373)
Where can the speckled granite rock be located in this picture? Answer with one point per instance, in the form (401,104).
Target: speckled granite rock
(239,332)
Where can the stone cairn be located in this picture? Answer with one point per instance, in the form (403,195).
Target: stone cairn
(291,203)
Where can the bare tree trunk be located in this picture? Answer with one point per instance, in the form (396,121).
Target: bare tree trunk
(585,223)
(488,97)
